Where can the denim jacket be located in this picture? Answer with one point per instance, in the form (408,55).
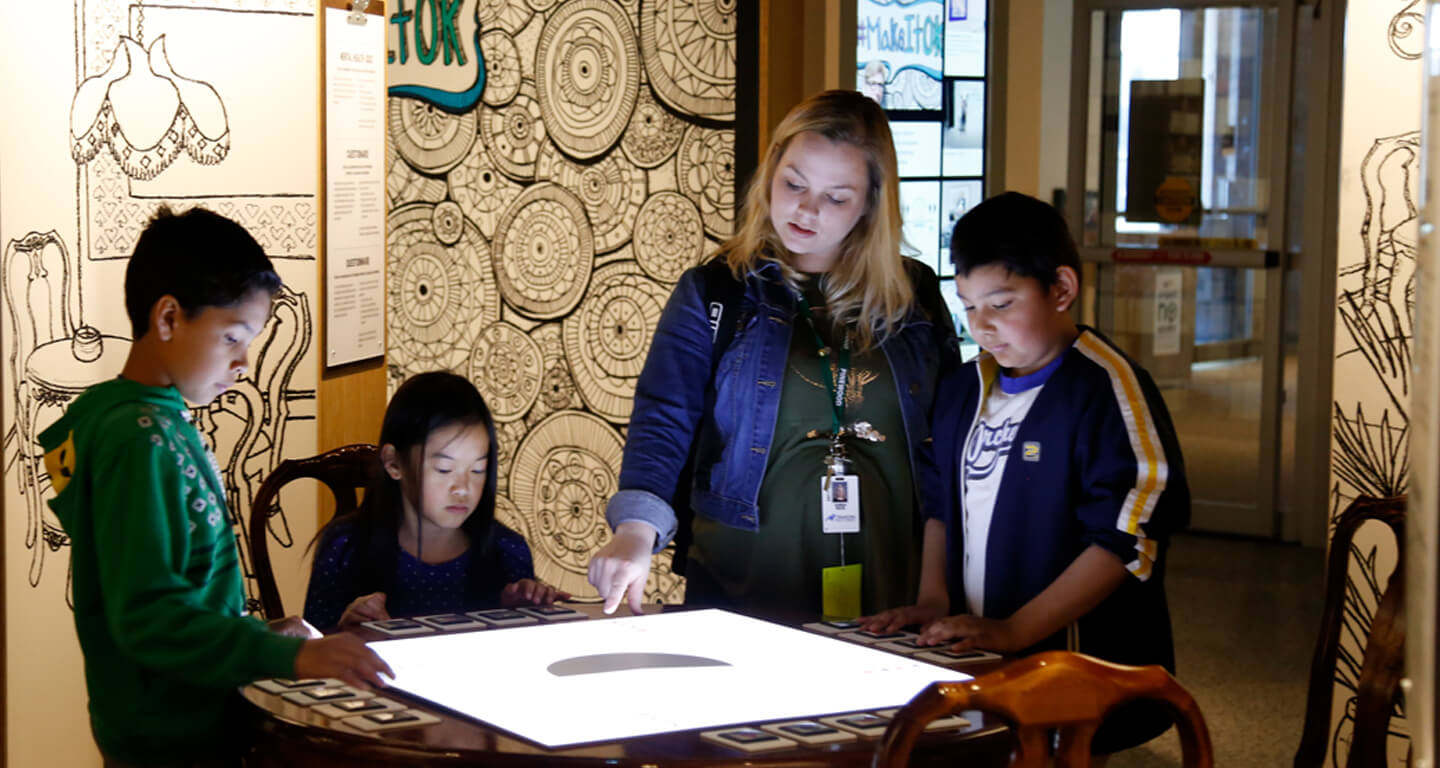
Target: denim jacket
(735,433)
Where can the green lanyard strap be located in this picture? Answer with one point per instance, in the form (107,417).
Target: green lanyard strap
(835,389)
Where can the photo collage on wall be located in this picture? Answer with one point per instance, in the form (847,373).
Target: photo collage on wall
(924,62)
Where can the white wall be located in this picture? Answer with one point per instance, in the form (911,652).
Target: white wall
(259,58)
(1376,225)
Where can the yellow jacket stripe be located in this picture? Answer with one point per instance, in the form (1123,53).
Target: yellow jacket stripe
(1151,468)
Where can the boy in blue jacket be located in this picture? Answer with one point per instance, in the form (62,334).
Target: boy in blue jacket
(1063,476)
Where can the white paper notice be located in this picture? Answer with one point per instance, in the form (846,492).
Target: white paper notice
(1168,304)
(354,187)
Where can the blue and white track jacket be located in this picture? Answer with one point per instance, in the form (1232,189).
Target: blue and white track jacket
(1096,461)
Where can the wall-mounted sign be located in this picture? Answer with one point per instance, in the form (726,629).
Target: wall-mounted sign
(354,186)
(434,52)
(1168,305)
(1166,122)
(900,51)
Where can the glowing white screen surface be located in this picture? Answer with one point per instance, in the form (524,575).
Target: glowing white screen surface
(502,677)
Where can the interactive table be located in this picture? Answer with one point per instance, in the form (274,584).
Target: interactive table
(676,688)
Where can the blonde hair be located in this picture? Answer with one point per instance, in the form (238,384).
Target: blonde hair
(867,292)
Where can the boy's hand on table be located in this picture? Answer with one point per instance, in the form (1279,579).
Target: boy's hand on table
(293,626)
(369,607)
(619,570)
(342,656)
(921,613)
(530,592)
(966,633)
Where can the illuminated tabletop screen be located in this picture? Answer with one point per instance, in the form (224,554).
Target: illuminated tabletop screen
(609,679)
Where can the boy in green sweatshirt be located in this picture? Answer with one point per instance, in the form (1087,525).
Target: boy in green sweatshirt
(159,602)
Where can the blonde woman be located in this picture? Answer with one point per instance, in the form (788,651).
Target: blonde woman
(816,375)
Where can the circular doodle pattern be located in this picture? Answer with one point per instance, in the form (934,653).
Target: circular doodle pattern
(449,222)
(436,291)
(705,170)
(481,189)
(587,73)
(564,473)
(663,585)
(508,515)
(503,72)
(544,251)
(503,14)
(669,236)
(508,435)
(404,185)
(557,386)
(653,134)
(507,366)
(607,339)
(515,133)
(541,6)
(429,138)
(689,52)
(612,190)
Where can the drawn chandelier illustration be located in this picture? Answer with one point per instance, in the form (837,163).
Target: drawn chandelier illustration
(146,114)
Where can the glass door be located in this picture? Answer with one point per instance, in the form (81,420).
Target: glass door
(1179,129)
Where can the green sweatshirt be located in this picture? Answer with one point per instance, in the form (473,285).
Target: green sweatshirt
(159,602)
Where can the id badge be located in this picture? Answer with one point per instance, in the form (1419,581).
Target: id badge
(840,504)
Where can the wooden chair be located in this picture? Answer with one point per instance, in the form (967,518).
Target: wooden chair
(1060,690)
(1378,685)
(344,470)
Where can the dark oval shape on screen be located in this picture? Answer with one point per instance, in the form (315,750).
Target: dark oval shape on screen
(620,662)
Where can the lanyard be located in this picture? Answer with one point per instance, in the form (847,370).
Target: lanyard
(835,387)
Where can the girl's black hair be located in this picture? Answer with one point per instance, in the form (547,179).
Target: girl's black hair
(423,403)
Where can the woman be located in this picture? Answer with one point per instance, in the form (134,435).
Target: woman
(838,333)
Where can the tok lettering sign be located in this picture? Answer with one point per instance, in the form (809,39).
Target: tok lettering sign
(434,52)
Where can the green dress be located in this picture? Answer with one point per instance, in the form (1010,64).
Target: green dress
(778,568)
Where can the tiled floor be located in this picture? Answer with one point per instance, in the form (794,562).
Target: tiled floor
(1246,614)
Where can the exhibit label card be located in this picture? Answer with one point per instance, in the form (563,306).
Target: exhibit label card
(354,187)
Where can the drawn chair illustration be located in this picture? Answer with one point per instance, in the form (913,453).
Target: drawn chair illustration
(1362,739)
(37,294)
(246,425)
(344,470)
(1051,691)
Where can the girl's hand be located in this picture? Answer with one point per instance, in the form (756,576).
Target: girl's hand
(921,613)
(369,607)
(967,633)
(620,568)
(293,626)
(530,592)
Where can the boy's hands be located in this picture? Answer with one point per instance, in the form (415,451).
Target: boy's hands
(342,656)
(970,632)
(369,607)
(620,568)
(293,626)
(530,592)
(922,613)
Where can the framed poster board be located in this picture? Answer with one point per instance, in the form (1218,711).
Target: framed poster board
(352,51)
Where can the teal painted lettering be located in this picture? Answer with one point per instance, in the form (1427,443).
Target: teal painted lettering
(449,35)
(427,53)
(399,19)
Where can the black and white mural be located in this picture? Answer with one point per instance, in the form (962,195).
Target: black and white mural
(1375,310)
(130,104)
(534,238)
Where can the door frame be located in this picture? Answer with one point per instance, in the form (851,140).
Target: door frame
(1301,519)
